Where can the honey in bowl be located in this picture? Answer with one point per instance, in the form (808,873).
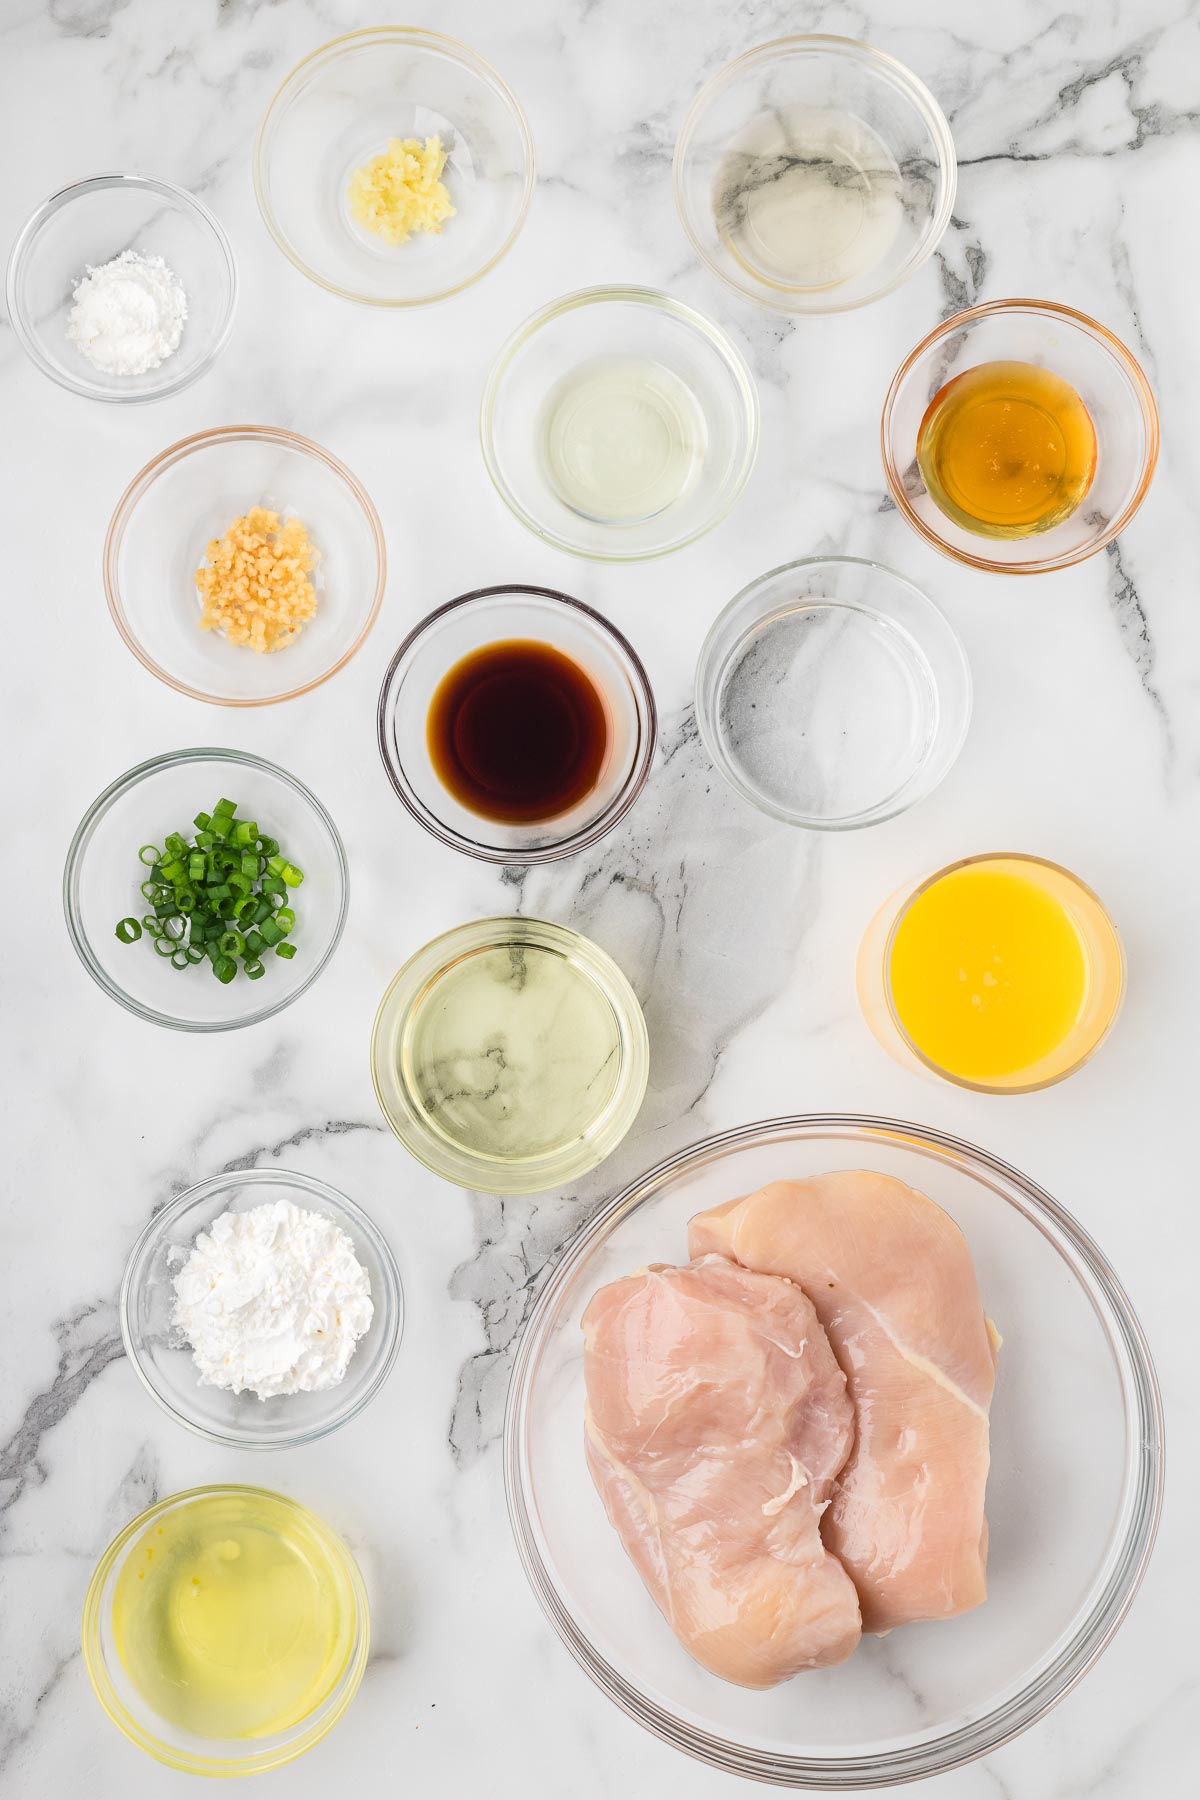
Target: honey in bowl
(517,732)
(1007,449)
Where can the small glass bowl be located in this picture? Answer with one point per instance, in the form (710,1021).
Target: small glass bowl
(1077,1416)
(102,881)
(815,109)
(424,993)
(84,226)
(172,1744)
(626,325)
(489,616)
(338,108)
(832,693)
(189,495)
(163,1361)
(1108,381)
(1097,932)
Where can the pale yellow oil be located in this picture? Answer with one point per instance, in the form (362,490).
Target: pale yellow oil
(233,1616)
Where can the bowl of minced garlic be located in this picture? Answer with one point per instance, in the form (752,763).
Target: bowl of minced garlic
(256,585)
(401,191)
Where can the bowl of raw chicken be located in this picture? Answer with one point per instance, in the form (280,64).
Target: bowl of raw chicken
(834,1451)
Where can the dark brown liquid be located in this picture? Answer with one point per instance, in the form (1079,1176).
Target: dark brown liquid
(517,732)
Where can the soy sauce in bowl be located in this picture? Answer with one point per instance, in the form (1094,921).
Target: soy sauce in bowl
(518,732)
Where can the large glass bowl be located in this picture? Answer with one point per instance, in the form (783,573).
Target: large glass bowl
(1105,376)
(164,1363)
(1073,1498)
(102,879)
(172,1744)
(190,494)
(814,174)
(338,108)
(700,387)
(464,626)
(84,226)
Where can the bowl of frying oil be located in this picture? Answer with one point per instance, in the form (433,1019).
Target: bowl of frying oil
(225,1630)
(1019,436)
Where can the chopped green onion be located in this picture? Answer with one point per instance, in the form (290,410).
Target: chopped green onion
(218,894)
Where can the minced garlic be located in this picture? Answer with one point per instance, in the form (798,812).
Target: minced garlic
(401,192)
(255,584)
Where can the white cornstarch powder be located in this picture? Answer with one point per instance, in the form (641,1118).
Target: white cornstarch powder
(128,315)
(272,1301)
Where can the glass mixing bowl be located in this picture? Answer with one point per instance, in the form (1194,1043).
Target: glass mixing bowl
(190,494)
(616,357)
(172,1744)
(102,879)
(490,616)
(814,174)
(338,108)
(832,693)
(1073,1497)
(1103,374)
(163,1362)
(84,226)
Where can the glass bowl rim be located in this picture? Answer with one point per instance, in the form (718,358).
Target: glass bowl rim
(852,50)
(1078,321)
(62,198)
(1144,1458)
(635,295)
(456,51)
(549,1169)
(711,737)
(389,1306)
(94,1662)
(178,452)
(557,848)
(126,783)
(966,862)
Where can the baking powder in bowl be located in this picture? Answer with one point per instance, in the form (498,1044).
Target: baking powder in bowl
(128,314)
(272,1301)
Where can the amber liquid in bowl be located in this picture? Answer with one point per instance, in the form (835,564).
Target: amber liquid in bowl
(518,732)
(1007,449)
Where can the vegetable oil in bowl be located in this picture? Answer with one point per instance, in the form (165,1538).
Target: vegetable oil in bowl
(233,1615)
(622,439)
(1007,449)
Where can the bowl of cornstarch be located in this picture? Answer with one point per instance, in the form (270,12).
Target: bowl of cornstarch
(122,288)
(261,1308)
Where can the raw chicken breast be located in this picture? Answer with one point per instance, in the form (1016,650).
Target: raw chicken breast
(717,1418)
(892,1281)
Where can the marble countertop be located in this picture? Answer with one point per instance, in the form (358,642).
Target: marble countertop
(1079,140)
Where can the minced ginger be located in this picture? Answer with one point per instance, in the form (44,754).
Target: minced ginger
(255,585)
(401,191)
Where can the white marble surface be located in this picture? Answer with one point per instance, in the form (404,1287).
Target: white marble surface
(1079,136)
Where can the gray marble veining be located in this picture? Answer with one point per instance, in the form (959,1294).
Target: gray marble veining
(1078,134)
